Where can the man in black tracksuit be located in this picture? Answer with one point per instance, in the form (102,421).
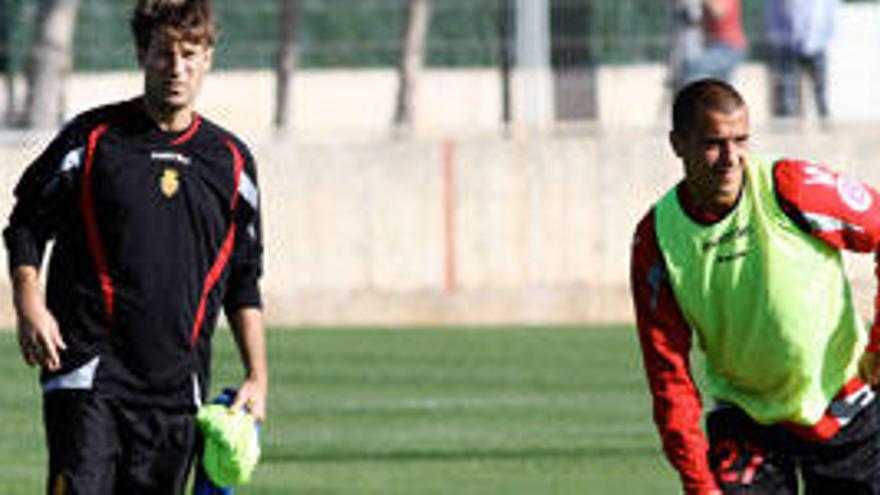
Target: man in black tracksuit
(154,213)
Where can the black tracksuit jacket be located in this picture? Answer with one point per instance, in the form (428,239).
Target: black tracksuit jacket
(153,233)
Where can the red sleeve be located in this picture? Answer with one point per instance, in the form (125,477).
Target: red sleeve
(842,212)
(665,339)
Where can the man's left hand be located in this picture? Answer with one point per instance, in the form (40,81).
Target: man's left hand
(252,396)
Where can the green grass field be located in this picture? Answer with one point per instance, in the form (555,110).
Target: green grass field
(421,411)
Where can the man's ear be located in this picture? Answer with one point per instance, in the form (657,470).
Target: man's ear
(209,57)
(676,140)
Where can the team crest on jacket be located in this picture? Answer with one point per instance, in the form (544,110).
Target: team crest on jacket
(169,183)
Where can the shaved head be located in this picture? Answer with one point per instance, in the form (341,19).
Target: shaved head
(699,97)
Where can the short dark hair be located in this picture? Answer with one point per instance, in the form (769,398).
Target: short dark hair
(188,20)
(705,94)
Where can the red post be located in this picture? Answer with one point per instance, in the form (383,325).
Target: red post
(450,251)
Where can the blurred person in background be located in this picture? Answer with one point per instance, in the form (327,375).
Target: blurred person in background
(154,215)
(744,255)
(687,41)
(799,32)
(724,42)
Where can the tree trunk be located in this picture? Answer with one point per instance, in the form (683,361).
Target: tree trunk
(286,64)
(6,14)
(411,61)
(49,63)
(505,60)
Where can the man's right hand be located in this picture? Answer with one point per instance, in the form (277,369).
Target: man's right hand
(869,368)
(39,337)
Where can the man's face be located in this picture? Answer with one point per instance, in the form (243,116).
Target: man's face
(173,71)
(714,154)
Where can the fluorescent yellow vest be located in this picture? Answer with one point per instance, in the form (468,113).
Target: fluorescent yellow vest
(770,304)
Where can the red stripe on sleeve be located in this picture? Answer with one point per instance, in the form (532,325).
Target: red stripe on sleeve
(93,235)
(211,280)
(225,249)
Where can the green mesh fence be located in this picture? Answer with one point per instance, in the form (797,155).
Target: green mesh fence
(368,33)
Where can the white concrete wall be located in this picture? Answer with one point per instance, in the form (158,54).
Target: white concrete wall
(356,231)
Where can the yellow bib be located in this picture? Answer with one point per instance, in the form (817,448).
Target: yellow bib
(770,304)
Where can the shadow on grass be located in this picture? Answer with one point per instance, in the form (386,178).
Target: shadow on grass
(286,456)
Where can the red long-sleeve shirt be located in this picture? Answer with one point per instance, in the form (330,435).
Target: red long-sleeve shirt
(842,213)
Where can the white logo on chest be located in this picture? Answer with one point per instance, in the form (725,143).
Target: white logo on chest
(170,156)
